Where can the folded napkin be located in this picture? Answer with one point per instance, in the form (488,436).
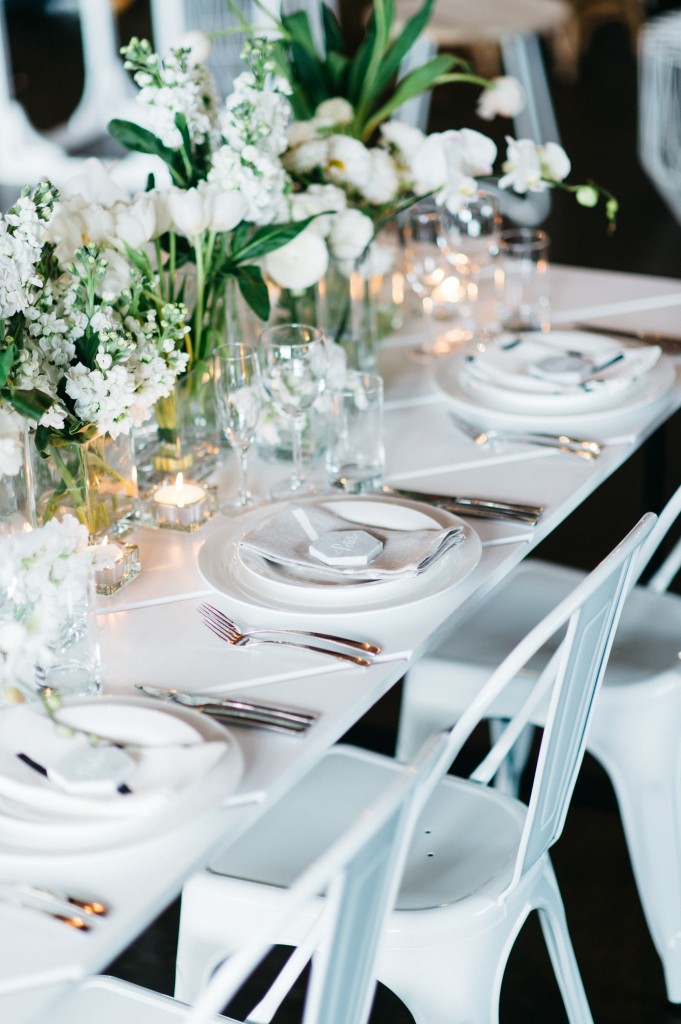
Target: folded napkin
(561,363)
(285,540)
(151,774)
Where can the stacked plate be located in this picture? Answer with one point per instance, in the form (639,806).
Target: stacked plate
(147,768)
(556,381)
(231,564)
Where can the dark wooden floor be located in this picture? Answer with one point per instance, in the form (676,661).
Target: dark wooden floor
(597,118)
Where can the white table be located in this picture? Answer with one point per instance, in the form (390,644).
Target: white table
(150,633)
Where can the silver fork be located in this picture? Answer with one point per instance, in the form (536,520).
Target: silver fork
(563,443)
(228,630)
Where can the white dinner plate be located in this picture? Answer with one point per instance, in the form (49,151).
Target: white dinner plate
(36,814)
(252,580)
(616,412)
(501,374)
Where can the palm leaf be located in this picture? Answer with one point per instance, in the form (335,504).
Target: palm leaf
(267,239)
(6,361)
(401,47)
(334,41)
(414,84)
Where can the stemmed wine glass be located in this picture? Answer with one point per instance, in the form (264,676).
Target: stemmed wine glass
(469,239)
(294,362)
(425,267)
(238,399)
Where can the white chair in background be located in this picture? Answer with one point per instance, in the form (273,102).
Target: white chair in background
(659,99)
(478,861)
(636,724)
(358,874)
(516,27)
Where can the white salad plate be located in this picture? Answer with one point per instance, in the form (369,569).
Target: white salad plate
(184,764)
(253,580)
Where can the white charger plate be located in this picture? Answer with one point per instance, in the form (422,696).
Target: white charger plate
(614,413)
(516,390)
(252,580)
(34,812)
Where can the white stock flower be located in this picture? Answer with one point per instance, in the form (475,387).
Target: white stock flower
(334,111)
(298,264)
(348,162)
(350,234)
(505,97)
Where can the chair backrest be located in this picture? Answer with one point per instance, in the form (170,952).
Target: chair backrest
(360,874)
(571,678)
(665,573)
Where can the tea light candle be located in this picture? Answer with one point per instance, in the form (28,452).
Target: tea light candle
(447,292)
(114,564)
(180,506)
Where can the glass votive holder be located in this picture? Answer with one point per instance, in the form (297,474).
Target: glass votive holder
(183,505)
(73,667)
(521,280)
(115,564)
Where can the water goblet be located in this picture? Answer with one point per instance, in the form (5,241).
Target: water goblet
(469,240)
(238,401)
(294,361)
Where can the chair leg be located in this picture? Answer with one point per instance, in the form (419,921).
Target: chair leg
(643,764)
(557,937)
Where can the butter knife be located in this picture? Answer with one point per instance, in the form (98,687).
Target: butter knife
(483,508)
(667,342)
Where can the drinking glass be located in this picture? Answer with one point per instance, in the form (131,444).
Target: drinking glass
(238,400)
(469,240)
(293,360)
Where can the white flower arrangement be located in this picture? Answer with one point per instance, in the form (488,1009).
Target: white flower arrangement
(42,573)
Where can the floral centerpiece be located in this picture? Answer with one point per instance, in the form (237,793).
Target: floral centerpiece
(44,583)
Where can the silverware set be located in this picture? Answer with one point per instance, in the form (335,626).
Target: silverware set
(561,442)
(330,644)
(70,910)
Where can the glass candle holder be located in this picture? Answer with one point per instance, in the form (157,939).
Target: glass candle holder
(115,564)
(183,505)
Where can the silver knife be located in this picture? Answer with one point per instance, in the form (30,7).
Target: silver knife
(236,708)
(483,508)
(667,342)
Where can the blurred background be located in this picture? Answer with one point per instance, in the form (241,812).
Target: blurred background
(593,71)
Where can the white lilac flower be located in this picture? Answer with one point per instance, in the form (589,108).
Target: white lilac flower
(298,264)
(350,234)
(348,162)
(505,97)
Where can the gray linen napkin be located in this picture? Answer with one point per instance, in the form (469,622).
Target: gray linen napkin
(284,540)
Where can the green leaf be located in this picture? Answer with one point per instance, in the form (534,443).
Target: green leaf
(414,84)
(183,128)
(31,404)
(298,29)
(360,64)
(139,140)
(334,40)
(254,290)
(338,66)
(401,47)
(87,346)
(269,238)
(368,93)
(6,361)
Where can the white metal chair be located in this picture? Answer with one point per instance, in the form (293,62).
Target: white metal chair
(358,874)
(637,719)
(478,861)
(659,95)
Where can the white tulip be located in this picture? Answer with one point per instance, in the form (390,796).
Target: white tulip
(189,214)
(136,222)
(226,207)
(300,263)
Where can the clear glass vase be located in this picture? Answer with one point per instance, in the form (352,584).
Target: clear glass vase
(17,491)
(95,481)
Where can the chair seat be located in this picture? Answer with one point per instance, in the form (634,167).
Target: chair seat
(438,872)
(457,22)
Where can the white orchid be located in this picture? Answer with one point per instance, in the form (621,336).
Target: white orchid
(503,97)
(529,167)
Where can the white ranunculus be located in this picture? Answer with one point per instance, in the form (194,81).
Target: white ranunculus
(307,156)
(298,264)
(383,183)
(522,168)
(301,131)
(334,111)
(505,97)
(315,201)
(404,137)
(348,162)
(350,234)
(555,163)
